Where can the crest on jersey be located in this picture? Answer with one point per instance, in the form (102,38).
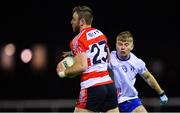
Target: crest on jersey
(124,68)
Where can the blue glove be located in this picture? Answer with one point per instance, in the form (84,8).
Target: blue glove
(163,98)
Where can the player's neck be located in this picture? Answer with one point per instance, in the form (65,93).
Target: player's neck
(122,58)
(84,26)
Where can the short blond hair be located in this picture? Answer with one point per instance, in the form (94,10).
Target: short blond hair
(125,36)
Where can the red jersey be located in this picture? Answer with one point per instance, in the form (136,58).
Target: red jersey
(94,43)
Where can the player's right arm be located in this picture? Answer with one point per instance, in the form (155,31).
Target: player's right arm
(80,65)
(67,53)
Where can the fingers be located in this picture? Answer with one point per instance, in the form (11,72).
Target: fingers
(60,67)
(64,54)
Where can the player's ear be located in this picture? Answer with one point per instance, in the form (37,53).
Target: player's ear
(82,21)
(132,47)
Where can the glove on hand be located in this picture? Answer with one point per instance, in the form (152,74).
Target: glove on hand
(163,98)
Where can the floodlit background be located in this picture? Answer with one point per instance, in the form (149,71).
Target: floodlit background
(33,33)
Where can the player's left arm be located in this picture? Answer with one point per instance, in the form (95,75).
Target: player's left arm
(152,82)
(108,54)
(67,53)
(149,78)
(79,66)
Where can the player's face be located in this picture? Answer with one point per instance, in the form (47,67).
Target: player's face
(75,23)
(124,48)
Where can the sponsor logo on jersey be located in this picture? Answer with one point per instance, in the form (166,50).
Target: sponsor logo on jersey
(93,34)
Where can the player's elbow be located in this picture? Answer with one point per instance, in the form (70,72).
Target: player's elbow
(83,67)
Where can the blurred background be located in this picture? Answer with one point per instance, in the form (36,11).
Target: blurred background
(34,33)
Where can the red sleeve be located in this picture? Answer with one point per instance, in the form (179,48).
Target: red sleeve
(80,46)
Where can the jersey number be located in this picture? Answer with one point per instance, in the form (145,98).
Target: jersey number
(99,51)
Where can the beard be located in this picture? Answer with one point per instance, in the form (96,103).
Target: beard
(76,29)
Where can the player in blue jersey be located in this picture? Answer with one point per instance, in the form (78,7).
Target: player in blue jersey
(125,66)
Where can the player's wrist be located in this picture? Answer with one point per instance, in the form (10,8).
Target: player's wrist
(61,74)
(161,93)
(70,54)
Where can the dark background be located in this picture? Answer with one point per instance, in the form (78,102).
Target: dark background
(153,23)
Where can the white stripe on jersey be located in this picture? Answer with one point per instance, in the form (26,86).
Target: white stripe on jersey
(93,34)
(97,68)
(93,81)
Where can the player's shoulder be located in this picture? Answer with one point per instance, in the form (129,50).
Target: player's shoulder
(136,59)
(113,52)
(88,30)
(134,56)
(113,55)
(113,59)
(92,33)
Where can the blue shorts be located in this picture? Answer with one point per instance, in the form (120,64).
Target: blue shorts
(129,105)
(98,98)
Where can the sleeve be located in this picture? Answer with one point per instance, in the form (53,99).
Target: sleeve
(80,46)
(106,40)
(109,65)
(142,67)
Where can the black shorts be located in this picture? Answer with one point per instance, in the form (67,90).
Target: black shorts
(98,98)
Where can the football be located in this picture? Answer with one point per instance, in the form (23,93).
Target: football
(67,62)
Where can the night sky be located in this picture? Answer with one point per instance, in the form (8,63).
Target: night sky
(153,23)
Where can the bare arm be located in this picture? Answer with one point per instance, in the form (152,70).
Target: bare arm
(148,77)
(108,53)
(151,81)
(78,67)
(66,53)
